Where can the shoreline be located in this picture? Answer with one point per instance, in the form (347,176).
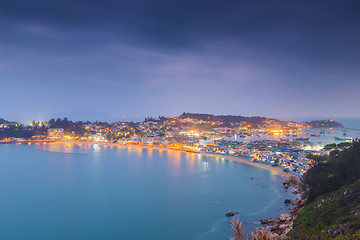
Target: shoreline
(273,169)
(238,159)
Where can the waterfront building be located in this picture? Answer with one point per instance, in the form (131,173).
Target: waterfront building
(55,133)
(206,142)
(147,140)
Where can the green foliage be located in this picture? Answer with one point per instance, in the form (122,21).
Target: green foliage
(344,144)
(117,136)
(306,232)
(319,232)
(314,157)
(68,126)
(339,145)
(334,208)
(340,168)
(20,131)
(330,146)
(333,190)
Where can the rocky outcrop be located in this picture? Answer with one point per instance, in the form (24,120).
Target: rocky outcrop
(293,182)
(285,217)
(284,223)
(230,213)
(296,202)
(281,226)
(265,221)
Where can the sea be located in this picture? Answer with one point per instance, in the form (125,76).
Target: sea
(321,136)
(92,191)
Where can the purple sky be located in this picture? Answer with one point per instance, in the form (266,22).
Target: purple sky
(123,60)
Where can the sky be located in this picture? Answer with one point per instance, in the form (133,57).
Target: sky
(125,60)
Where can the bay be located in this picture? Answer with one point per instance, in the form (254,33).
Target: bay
(85,191)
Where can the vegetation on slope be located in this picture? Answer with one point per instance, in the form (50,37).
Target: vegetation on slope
(333,191)
(338,169)
(3,121)
(333,207)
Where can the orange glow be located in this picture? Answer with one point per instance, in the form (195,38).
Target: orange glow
(276,130)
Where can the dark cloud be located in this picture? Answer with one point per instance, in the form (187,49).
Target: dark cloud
(180,53)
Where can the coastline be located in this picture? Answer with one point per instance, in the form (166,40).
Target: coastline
(281,225)
(273,169)
(278,227)
(238,159)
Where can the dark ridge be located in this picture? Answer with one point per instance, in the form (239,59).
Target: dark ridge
(324,124)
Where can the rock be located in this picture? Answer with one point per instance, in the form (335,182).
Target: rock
(287,201)
(302,203)
(230,213)
(274,228)
(286,182)
(284,217)
(265,221)
(296,202)
(283,227)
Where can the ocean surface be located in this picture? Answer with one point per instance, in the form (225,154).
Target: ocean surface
(58,191)
(323,136)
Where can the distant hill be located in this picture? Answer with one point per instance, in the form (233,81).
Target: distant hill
(3,121)
(324,124)
(254,120)
(224,118)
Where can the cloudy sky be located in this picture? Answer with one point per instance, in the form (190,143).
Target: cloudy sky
(120,60)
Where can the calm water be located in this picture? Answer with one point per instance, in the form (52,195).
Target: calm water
(89,192)
(323,139)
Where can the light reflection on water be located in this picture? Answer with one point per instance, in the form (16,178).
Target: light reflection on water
(111,186)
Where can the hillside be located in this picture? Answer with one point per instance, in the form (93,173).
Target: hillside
(255,120)
(333,191)
(224,118)
(338,211)
(3,121)
(324,124)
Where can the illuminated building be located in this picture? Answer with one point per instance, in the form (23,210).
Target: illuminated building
(55,133)
(204,142)
(147,140)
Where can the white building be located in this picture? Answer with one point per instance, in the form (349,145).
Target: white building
(54,133)
(147,140)
(205,142)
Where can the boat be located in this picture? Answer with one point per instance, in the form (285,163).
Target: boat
(315,135)
(344,138)
(302,139)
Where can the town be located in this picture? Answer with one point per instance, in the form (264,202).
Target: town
(257,139)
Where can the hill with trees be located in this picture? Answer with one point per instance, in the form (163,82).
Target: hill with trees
(333,192)
(3,121)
